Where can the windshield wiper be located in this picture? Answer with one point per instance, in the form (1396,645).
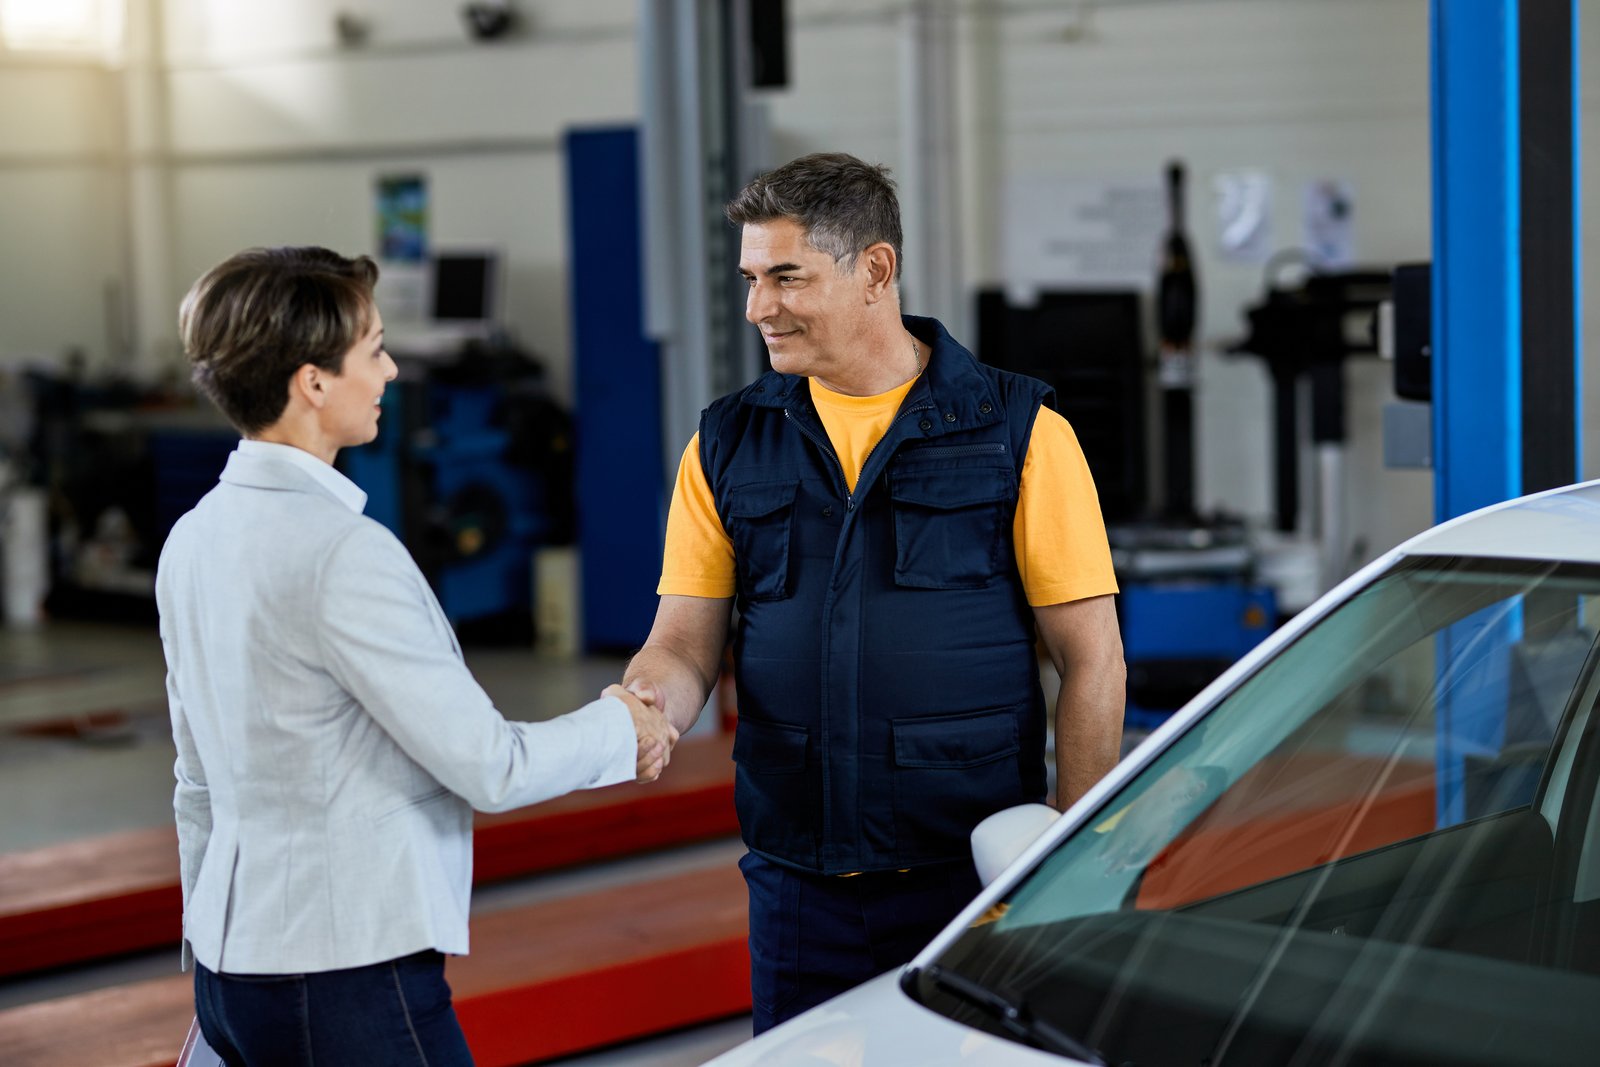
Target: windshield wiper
(1014,1016)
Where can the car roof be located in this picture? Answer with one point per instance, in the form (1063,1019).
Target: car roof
(1561,524)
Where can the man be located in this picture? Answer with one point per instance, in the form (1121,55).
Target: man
(331,742)
(897,525)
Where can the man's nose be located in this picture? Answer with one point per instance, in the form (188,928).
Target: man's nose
(758,304)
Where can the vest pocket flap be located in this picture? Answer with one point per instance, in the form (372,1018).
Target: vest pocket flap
(761,498)
(947,489)
(953,741)
(770,747)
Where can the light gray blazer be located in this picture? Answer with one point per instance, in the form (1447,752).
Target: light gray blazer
(331,743)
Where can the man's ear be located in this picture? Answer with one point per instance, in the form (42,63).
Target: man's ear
(880,262)
(307,385)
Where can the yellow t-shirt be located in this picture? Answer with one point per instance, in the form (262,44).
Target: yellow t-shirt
(1058,533)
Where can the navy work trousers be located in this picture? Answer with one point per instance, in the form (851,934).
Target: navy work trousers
(383,1015)
(813,936)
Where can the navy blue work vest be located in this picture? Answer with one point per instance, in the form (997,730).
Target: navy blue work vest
(888,687)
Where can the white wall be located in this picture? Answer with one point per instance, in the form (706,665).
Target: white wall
(277,135)
(61,218)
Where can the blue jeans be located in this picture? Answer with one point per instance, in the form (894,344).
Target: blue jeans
(385,1015)
(813,936)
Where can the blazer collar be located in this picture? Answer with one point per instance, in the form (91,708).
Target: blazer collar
(264,465)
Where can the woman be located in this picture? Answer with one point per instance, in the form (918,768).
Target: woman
(331,743)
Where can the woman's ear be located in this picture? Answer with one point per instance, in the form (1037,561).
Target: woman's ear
(880,262)
(307,385)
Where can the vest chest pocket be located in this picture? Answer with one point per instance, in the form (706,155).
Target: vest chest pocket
(760,518)
(948,522)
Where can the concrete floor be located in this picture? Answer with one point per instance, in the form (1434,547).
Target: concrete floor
(85,749)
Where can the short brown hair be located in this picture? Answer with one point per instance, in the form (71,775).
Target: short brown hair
(843,205)
(253,320)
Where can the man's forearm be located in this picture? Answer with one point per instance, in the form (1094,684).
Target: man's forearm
(1088,728)
(682,657)
(681,684)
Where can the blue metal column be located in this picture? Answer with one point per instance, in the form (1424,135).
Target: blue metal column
(1505,347)
(1477,292)
(617,382)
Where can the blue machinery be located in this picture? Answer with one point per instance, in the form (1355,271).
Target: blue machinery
(449,477)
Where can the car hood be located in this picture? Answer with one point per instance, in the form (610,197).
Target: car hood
(877,1025)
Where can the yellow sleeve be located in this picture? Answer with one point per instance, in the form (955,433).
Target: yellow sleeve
(698,560)
(1059,535)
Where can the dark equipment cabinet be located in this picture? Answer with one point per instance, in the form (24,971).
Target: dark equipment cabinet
(1088,346)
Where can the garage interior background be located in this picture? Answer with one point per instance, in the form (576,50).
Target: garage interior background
(169,133)
(125,174)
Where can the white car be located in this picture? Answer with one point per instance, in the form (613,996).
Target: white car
(1374,841)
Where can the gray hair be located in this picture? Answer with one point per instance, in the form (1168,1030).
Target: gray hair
(843,204)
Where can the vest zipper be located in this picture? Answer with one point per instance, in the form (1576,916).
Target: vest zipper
(850,498)
(822,442)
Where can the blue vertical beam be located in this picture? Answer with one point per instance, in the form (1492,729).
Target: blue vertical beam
(1477,339)
(1477,335)
(1506,363)
(617,382)
(1477,298)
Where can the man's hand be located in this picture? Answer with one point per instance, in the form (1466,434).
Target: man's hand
(656,734)
(648,692)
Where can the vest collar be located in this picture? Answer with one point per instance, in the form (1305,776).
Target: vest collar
(956,394)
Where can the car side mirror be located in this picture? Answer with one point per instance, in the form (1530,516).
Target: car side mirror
(1005,835)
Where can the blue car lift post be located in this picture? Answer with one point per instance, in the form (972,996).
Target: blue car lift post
(1506,353)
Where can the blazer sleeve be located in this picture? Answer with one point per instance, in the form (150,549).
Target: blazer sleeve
(385,640)
(191,799)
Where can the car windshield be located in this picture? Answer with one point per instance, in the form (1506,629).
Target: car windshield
(1376,849)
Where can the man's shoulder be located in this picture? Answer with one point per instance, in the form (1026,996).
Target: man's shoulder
(771,392)
(768,390)
(1014,383)
(958,368)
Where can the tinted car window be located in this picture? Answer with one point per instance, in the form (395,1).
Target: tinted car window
(1374,850)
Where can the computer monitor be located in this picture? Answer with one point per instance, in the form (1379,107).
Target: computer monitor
(456,300)
(463,288)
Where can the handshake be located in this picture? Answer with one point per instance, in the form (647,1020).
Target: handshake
(656,734)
